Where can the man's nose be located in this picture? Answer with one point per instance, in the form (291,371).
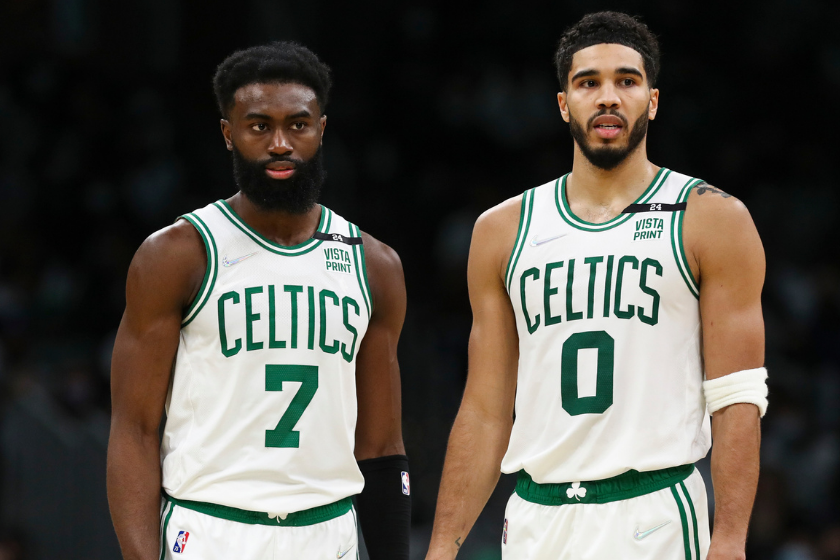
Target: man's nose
(608,97)
(280,144)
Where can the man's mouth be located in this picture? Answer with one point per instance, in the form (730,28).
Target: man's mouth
(280,169)
(607,126)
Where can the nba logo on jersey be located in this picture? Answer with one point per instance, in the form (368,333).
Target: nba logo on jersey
(406,485)
(504,533)
(181,542)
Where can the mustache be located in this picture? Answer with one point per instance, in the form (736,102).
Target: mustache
(273,159)
(610,112)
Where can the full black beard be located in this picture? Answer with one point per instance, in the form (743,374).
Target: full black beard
(608,157)
(295,195)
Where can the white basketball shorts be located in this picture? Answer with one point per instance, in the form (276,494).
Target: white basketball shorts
(635,516)
(221,533)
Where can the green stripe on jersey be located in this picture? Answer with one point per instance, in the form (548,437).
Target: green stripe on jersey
(522,206)
(680,236)
(210,273)
(677,239)
(525,211)
(361,268)
(290,251)
(562,202)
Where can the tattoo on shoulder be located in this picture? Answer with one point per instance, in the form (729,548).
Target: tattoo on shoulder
(458,543)
(704,187)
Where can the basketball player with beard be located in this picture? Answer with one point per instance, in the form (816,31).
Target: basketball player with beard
(614,309)
(266,327)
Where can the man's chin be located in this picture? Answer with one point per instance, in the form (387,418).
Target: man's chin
(604,157)
(620,141)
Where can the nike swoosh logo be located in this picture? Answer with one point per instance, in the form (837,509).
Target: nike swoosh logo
(340,554)
(535,242)
(640,535)
(226,262)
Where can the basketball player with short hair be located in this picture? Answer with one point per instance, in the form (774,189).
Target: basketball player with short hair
(266,325)
(600,299)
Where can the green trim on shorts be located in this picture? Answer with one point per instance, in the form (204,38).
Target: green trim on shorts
(163,532)
(693,518)
(356,525)
(684,522)
(630,484)
(295,519)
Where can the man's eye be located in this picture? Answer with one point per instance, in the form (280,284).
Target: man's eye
(260,126)
(588,83)
(628,81)
(299,125)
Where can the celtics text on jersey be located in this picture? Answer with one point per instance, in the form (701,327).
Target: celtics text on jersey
(610,366)
(261,410)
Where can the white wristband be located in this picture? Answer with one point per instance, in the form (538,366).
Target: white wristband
(747,386)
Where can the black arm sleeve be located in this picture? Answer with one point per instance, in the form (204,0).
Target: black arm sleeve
(384,507)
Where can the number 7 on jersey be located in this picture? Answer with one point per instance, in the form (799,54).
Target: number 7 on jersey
(275,375)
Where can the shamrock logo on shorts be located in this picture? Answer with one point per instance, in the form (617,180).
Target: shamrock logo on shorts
(576,491)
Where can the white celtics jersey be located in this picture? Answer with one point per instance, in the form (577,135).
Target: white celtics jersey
(610,367)
(261,412)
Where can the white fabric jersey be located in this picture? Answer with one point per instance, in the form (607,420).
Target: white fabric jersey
(261,412)
(610,367)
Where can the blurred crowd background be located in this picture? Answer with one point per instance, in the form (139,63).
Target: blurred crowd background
(108,131)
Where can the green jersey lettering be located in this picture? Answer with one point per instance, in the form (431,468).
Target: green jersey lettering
(593,263)
(272,322)
(631,309)
(250,319)
(293,294)
(322,296)
(548,291)
(535,273)
(237,345)
(571,314)
(347,301)
(657,268)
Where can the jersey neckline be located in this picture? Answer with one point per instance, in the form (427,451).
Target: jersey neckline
(565,211)
(287,250)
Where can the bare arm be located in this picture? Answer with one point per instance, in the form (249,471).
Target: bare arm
(384,510)
(163,278)
(482,428)
(379,424)
(729,259)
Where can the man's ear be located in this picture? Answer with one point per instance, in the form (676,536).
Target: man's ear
(653,106)
(323,123)
(226,133)
(564,108)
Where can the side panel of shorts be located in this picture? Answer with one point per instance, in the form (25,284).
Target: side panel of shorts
(212,538)
(670,524)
